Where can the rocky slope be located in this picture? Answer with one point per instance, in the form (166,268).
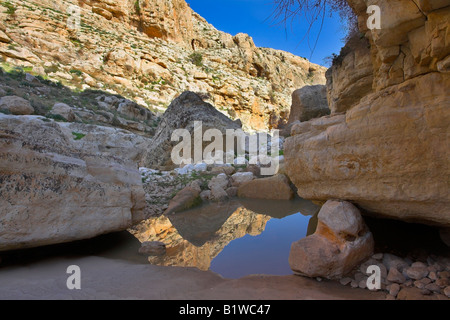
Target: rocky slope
(150,52)
(385,145)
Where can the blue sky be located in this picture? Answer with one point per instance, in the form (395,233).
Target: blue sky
(254,18)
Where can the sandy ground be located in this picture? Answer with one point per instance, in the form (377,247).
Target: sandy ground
(104,278)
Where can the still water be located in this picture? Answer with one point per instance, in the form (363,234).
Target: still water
(233,239)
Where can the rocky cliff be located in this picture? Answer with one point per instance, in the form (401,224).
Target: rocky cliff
(56,187)
(385,146)
(150,52)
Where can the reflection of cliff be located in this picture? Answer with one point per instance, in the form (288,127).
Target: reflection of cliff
(195,237)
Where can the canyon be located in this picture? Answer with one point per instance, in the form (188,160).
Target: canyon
(88,106)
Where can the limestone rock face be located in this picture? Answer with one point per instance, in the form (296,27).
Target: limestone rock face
(182,113)
(340,242)
(388,153)
(152,51)
(53,191)
(308,103)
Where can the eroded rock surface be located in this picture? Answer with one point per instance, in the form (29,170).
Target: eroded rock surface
(386,149)
(54,191)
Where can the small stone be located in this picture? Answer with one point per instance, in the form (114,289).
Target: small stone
(240,178)
(425,292)
(432,275)
(218,194)
(419,265)
(417,272)
(200,167)
(354,284)
(362,284)
(444,274)
(205,195)
(390,260)
(433,287)
(377,256)
(442,282)
(345,281)
(447,291)
(319,279)
(395,276)
(438,267)
(422,283)
(359,277)
(394,289)
(390,297)
(408,283)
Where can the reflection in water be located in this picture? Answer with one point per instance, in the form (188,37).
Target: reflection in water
(205,237)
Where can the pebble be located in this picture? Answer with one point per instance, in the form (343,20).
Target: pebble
(378,256)
(417,272)
(432,275)
(395,276)
(442,282)
(390,297)
(363,284)
(345,281)
(394,289)
(433,287)
(354,284)
(425,292)
(422,283)
(444,274)
(408,283)
(359,277)
(447,291)
(390,261)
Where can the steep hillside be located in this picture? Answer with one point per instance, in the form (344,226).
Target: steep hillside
(150,52)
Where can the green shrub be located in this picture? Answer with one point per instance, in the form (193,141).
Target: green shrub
(76,72)
(78,136)
(197,59)
(56,117)
(10,8)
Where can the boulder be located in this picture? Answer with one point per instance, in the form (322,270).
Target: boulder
(276,187)
(54,191)
(239,178)
(185,199)
(16,105)
(64,111)
(341,241)
(308,103)
(181,114)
